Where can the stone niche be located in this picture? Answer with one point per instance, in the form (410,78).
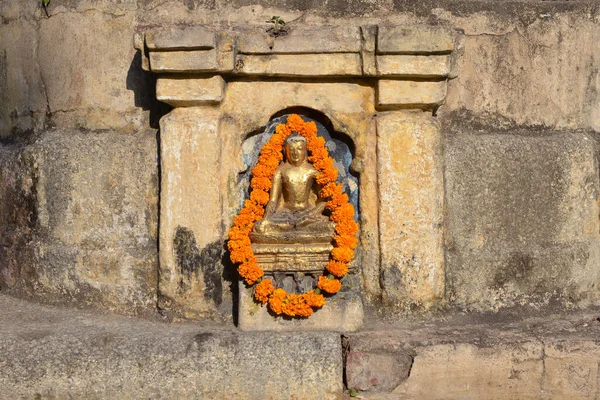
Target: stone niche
(372,90)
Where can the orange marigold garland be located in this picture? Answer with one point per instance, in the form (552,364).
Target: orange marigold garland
(342,213)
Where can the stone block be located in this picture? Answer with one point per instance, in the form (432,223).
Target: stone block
(301,64)
(411,93)
(22,98)
(415,40)
(413,66)
(411,198)
(522,218)
(87,71)
(343,39)
(55,353)
(185,92)
(342,313)
(186,38)
(367,52)
(465,370)
(190,213)
(376,371)
(81,223)
(571,369)
(183,61)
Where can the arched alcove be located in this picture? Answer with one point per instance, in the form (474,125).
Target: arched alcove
(341,148)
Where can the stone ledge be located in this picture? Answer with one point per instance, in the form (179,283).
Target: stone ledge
(301,64)
(411,93)
(189,38)
(49,352)
(503,355)
(181,92)
(415,40)
(413,66)
(370,50)
(298,41)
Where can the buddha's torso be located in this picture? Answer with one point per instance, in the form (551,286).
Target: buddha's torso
(297,185)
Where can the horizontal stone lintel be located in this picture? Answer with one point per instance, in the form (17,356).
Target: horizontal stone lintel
(191,37)
(333,64)
(415,40)
(413,66)
(411,93)
(181,92)
(301,41)
(184,61)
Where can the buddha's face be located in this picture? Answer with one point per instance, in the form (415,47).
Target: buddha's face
(295,152)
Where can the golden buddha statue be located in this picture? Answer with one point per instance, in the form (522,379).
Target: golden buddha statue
(294,213)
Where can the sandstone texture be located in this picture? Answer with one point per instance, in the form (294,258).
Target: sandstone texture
(522,218)
(545,355)
(53,353)
(79,222)
(411,195)
(519,127)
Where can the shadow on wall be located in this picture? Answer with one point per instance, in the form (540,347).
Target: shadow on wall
(143,85)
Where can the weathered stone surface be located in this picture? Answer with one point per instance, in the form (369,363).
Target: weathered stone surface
(411,93)
(543,355)
(522,219)
(323,39)
(22,98)
(182,92)
(342,313)
(189,37)
(183,61)
(88,72)
(53,353)
(376,371)
(367,52)
(411,198)
(78,229)
(414,40)
(413,66)
(301,64)
(538,74)
(190,213)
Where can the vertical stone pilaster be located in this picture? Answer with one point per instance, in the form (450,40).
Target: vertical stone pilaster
(190,215)
(411,195)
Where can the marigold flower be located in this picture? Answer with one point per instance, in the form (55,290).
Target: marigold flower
(294,305)
(276,301)
(331,189)
(336,201)
(342,254)
(329,175)
(343,212)
(324,164)
(261,184)
(263,290)
(329,285)
(337,268)
(347,227)
(316,144)
(260,197)
(346,241)
(251,272)
(313,299)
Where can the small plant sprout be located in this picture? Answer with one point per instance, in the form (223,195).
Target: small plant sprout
(277,22)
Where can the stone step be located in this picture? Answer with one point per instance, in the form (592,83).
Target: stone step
(493,356)
(53,353)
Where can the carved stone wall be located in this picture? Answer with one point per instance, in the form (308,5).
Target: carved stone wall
(376,84)
(519,145)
